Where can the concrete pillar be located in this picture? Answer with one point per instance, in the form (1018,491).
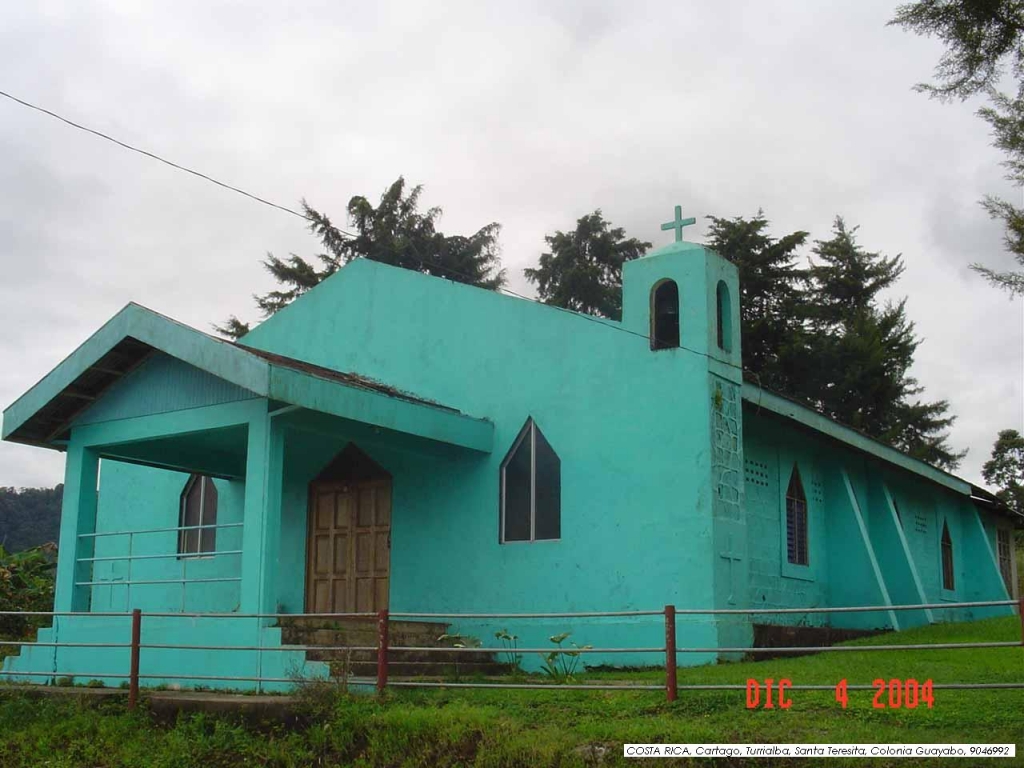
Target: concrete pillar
(261,532)
(78,516)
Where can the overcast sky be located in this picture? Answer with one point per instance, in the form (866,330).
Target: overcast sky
(528,113)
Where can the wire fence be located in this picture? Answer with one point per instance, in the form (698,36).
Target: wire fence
(383,650)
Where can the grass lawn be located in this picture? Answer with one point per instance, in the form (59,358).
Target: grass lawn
(560,727)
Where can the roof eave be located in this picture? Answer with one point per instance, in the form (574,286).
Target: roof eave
(810,418)
(45,412)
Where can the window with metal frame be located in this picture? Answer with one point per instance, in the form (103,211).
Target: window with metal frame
(796,520)
(531,489)
(198,507)
(1005,551)
(948,582)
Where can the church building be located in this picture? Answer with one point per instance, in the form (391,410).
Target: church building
(396,440)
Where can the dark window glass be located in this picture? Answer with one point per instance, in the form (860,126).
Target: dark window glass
(947,559)
(796,520)
(548,489)
(208,536)
(516,476)
(198,508)
(724,317)
(531,489)
(665,316)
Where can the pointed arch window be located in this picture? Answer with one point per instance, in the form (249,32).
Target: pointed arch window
(665,315)
(531,489)
(723,303)
(948,582)
(198,507)
(796,520)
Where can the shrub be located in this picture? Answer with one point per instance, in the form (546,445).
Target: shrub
(26,584)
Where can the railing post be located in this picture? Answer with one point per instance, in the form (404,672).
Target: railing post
(670,652)
(133,680)
(131,557)
(382,650)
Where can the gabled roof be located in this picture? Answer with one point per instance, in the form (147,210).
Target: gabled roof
(43,415)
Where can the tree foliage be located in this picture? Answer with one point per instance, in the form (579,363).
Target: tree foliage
(863,349)
(26,584)
(394,232)
(984,41)
(1005,469)
(582,271)
(982,37)
(823,335)
(29,517)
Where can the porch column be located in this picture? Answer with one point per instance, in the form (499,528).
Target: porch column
(78,516)
(261,532)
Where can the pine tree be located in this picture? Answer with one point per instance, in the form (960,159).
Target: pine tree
(1005,469)
(863,350)
(824,337)
(583,270)
(396,233)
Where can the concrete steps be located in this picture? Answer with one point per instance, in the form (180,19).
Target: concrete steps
(13,652)
(338,637)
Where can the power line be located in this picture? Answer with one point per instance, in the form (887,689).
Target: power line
(417,256)
(154,156)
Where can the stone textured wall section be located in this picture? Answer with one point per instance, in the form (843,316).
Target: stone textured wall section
(727,450)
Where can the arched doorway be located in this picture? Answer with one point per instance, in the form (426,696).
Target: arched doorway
(348,556)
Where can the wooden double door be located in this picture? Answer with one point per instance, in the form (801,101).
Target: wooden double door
(348,563)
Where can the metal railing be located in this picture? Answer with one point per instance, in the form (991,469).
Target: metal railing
(382,648)
(131,558)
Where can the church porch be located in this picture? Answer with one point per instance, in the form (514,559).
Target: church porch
(184,417)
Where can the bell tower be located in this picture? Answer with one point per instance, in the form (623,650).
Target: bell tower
(685,298)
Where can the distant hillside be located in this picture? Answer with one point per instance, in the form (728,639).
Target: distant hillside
(29,517)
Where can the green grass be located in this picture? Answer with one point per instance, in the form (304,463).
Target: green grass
(556,727)
(1019,554)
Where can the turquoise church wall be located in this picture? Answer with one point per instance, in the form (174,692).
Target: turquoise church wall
(861,550)
(636,523)
(161,384)
(133,497)
(769,457)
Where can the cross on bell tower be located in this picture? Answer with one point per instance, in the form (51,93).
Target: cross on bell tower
(678,223)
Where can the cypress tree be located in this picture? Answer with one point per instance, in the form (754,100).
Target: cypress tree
(863,350)
(583,269)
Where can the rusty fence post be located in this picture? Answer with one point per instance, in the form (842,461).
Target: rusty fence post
(133,680)
(670,652)
(382,650)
